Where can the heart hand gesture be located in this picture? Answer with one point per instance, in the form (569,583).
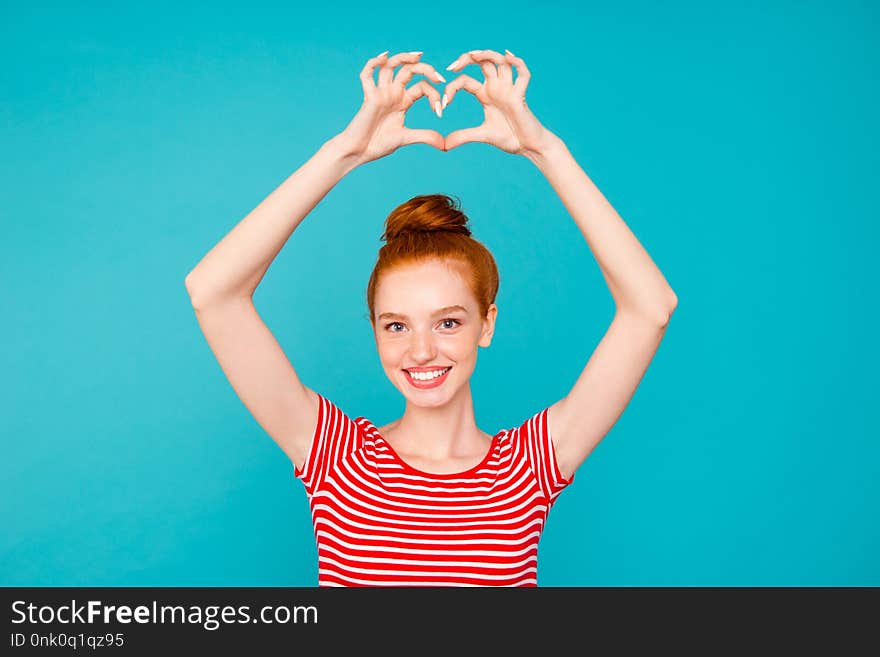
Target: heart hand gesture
(377,129)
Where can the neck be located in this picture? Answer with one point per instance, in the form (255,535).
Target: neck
(439,432)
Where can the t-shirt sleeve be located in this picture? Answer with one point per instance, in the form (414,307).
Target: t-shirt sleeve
(537,445)
(336,434)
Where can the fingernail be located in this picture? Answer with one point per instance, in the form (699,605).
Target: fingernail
(437,108)
(507,51)
(439,77)
(382,54)
(445,100)
(416,52)
(452,66)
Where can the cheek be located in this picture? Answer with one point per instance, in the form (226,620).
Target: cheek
(391,351)
(461,349)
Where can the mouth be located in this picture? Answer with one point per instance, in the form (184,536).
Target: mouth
(433,380)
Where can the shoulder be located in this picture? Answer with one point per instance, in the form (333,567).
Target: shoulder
(533,425)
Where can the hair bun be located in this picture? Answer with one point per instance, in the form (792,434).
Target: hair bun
(432,228)
(426,214)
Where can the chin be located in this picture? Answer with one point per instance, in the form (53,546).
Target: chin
(427,403)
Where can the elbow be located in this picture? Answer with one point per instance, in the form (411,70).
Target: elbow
(655,316)
(188,284)
(662,313)
(670,308)
(202,296)
(190,288)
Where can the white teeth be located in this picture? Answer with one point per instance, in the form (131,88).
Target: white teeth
(427,376)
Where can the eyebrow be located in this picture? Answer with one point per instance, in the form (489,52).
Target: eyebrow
(441,311)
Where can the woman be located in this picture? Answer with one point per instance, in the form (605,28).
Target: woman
(430,499)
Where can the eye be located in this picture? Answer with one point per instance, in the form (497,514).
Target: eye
(442,322)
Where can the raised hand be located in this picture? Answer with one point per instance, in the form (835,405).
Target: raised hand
(377,129)
(509,123)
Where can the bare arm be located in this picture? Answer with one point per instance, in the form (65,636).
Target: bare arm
(644,300)
(236,265)
(222,285)
(221,288)
(644,305)
(637,286)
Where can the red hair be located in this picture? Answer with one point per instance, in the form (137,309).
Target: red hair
(433,227)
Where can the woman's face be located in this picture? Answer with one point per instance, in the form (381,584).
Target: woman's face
(419,324)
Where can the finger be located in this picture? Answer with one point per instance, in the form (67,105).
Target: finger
(404,58)
(386,73)
(487,55)
(486,60)
(424,88)
(459,137)
(505,70)
(522,72)
(484,57)
(467,83)
(430,137)
(404,75)
(367,72)
(489,70)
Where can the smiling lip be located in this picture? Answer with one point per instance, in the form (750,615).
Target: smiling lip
(433,383)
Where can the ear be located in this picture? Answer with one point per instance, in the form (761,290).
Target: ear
(488,326)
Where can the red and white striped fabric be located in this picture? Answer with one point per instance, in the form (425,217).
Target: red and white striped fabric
(380,522)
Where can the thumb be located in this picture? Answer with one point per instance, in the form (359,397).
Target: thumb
(430,137)
(459,137)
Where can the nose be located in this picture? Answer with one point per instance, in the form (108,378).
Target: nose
(422,347)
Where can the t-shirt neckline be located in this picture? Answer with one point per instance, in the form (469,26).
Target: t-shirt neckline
(435,475)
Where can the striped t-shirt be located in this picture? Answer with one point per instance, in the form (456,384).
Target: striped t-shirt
(380,522)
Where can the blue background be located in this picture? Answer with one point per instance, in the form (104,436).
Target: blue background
(738,142)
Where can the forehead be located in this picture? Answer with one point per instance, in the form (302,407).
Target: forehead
(421,287)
